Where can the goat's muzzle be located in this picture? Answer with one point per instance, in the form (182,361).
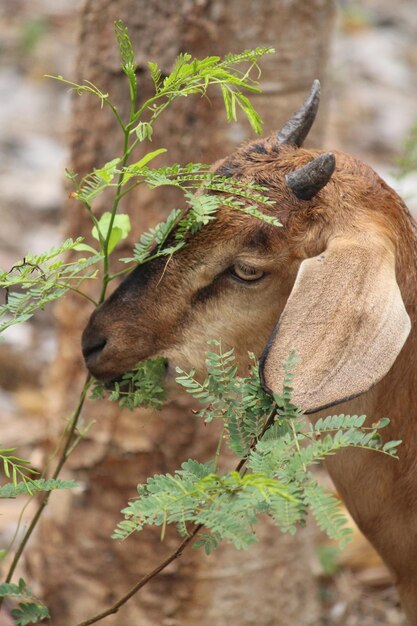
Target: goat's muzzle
(93,346)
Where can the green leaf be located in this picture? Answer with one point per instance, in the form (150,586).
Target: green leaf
(107,172)
(227,103)
(84,247)
(127,56)
(125,45)
(328,513)
(88,87)
(12,590)
(156,237)
(39,279)
(120,229)
(147,158)
(144,131)
(156,74)
(226,504)
(264,217)
(29,486)
(391,447)
(207,541)
(143,386)
(97,181)
(29,613)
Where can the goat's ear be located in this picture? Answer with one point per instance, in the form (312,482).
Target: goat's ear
(345,320)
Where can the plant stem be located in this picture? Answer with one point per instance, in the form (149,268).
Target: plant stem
(177,553)
(127,150)
(61,462)
(143,581)
(297,445)
(219,448)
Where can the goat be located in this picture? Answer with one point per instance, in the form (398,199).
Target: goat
(337,284)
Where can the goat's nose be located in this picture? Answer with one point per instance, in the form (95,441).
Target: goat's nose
(92,347)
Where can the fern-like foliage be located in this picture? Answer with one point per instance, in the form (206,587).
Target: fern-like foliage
(29,613)
(152,242)
(239,401)
(22,475)
(227,505)
(276,445)
(94,183)
(195,76)
(18,591)
(15,467)
(127,56)
(326,511)
(30,486)
(192,179)
(37,280)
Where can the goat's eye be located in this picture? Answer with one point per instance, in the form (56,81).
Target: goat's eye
(246,272)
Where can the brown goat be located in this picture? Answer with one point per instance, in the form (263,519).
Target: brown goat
(337,284)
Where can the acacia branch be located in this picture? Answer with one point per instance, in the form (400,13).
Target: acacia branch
(143,581)
(240,467)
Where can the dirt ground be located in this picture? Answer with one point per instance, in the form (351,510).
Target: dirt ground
(373,106)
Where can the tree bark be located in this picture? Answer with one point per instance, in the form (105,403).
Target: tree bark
(81,570)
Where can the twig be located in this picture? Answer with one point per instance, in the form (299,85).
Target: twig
(143,581)
(45,498)
(177,553)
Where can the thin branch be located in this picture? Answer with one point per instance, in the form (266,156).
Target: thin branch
(143,581)
(61,462)
(177,553)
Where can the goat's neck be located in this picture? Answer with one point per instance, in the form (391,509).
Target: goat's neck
(396,395)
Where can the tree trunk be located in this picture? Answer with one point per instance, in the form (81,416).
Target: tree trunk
(82,571)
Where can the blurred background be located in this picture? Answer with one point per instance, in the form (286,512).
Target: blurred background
(371,111)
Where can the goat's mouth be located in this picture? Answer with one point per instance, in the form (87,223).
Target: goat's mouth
(149,374)
(111,384)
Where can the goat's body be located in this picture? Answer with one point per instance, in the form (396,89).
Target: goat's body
(381,493)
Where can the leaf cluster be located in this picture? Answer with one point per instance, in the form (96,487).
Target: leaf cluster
(233,74)
(37,280)
(142,386)
(228,505)
(127,56)
(21,473)
(194,76)
(239,401)
(204,193)
(15,467)
(29,611)
(278,446)
(30,486)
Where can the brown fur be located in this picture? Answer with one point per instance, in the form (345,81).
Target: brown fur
(195,298)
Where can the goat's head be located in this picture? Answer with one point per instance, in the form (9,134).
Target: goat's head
(323,285)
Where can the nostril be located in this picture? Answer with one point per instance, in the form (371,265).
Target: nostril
(93,347)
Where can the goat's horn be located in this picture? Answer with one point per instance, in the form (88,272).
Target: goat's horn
(309,179)
(297,128)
